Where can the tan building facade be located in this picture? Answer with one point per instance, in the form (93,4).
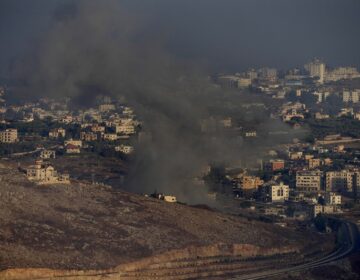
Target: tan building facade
(308,181)
(9,136)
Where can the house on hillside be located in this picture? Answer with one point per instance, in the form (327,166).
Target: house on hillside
(42,174)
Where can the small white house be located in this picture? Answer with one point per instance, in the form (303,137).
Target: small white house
(47,154)
(126,149)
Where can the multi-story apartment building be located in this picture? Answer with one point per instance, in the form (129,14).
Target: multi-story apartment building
(314,163)
(279,193)
(342,73)
(268,74)
(316,68)
(309,181)
(9,136)
(356,185)
(332,198)
(339,181)
(88,136)
(57,133)
(351,96)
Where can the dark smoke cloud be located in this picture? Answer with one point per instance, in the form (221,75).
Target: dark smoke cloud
(102,45)
(230,35)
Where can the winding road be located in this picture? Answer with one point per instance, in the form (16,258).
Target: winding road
(349,246)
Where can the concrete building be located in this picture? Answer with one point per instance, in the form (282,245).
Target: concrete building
(321,116)
(324,209)
(45,174)
(250,182)
(88,136)
(339,181)
(126,149)
(110,137)
(268,74)
(126,129)
(9,136)
(350,96)
(274,165)
(356,186)
(295,155)
(244,82)
(316,68)
(57,133)
(96,128)
(128,111)
(332,198)
(314,163)
(252,74)
(321,96)
(170,198)
(342,73)
(279,193)
(309,181)
(77,143)
(72,149)
(47,154)
(228,81)
(106,107)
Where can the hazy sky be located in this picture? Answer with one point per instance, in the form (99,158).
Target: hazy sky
(228,35)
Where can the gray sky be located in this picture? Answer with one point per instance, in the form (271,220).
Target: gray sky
(227,35)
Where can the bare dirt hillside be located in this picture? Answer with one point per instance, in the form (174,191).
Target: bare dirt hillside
(83,226)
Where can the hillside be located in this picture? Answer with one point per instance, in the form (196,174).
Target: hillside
(88,227)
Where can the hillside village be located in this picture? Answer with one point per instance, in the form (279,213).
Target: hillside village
(296,180)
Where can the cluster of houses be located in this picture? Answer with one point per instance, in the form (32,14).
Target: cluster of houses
(314,185)
(110,122)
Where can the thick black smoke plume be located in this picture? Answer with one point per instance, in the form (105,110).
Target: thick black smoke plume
(99,44)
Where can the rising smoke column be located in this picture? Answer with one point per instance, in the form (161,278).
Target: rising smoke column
(99,43)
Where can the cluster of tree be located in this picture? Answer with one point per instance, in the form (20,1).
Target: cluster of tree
(345,126)
(106,150)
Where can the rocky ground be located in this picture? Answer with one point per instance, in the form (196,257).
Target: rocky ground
(83,226)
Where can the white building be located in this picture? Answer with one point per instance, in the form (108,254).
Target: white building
(47,154)
(279,193)
(110,136)
(126,149)
(127,129)
(316,68)
(170,198)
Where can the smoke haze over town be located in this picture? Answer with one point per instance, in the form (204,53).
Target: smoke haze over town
(179,139)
